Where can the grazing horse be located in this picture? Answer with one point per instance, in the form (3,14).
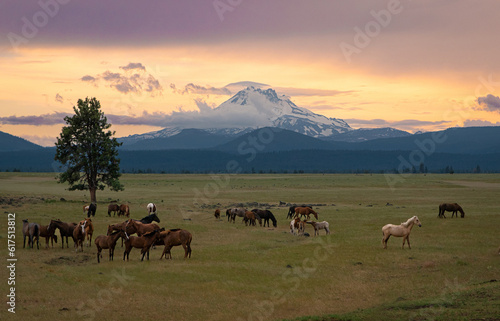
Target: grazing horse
(124,210)
(250,218)
(237,211)
(228,214)
(173,238)
(402,230)
(113,208)
(151,208)
(32,231)
(49,234)
(149,219)
(266,215)
(305,211)
(291,211)
(450,207)
(107,242)
(91,209)
(320,226)
(89,231)
(133,226)
(143,242)
(66,230)
(217,213)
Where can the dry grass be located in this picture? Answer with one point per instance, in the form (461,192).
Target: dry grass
(252,272)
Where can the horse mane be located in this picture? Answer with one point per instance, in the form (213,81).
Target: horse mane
(173,230)
(411,219)
(150,233)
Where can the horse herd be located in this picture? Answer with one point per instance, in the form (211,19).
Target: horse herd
(149,235)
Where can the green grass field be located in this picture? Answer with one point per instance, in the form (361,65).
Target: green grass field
(256,273)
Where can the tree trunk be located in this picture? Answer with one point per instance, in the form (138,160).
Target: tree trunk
(93,198)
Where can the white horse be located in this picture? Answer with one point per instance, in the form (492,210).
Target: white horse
(320,226)
(151,208)
(402,230)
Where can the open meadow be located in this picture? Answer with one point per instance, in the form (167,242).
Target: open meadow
(238,272)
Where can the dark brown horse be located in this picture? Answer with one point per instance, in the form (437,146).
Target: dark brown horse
(107,242)
(217,213)
(450,207)
(305,211)
(113,208)
(176,237)
(32,231)
(141,242)
(266,215)
(66,229)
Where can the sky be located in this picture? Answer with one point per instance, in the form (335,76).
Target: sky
(411,65)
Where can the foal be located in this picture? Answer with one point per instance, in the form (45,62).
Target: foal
(143,242)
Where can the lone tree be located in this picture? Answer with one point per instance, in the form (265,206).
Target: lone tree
(88,151)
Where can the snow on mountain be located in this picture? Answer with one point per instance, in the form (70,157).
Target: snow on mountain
(272,110)
(254,108)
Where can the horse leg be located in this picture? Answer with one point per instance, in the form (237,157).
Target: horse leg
(408,240)
(384,240)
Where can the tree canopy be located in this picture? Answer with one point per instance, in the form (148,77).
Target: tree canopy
(88,151)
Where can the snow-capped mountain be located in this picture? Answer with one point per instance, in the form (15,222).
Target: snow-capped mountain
(280,112)
(254,108)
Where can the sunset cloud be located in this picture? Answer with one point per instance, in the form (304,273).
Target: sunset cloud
(489,103)
(134,80)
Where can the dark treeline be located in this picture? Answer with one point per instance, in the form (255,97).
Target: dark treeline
(303,161)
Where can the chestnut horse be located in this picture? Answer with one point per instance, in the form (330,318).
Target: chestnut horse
(107,242)
(89,231)
(49,234)
(141,242)
(450,207)
(305,211)
(133,226)
(79,235)
(124,210)
(402,230)
(217,213)
(176,237)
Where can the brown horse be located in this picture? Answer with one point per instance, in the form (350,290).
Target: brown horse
(450,207)
(133,226)
(49,234)
(107,242)
(89,231)
(32,231)
(217,213)
(141,242)
(66,229)
(305,211)
(79,235)
(124,210)
(251,217)
(113,208)
(176,237)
